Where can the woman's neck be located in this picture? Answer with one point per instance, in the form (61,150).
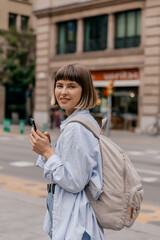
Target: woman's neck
(69,111)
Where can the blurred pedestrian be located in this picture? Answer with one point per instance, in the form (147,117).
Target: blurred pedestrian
(74,162)
(51,114)
(57,117)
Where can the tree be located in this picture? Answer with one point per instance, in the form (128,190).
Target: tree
(17,64)
(17,70)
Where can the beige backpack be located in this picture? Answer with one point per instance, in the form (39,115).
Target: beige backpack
(120,202)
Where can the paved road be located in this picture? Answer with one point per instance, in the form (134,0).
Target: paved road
(144,153)
(19,173)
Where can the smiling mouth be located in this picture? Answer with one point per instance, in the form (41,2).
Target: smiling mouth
(63,100)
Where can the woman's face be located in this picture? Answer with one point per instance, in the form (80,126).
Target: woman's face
(68,94)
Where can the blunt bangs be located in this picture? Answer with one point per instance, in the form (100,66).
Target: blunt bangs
(68,72)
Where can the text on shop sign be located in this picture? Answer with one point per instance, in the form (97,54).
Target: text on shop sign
(115,75)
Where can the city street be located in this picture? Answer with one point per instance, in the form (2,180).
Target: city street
(18,173)
(57,56)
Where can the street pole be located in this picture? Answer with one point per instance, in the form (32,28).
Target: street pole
(109,115)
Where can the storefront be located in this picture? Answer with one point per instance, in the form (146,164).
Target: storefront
(124,96)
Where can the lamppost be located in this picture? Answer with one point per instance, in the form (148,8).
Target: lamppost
(109,115)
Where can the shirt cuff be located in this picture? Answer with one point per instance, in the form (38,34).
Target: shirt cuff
(41,161)
(52,163)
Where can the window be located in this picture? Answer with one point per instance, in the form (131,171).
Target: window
(67,37)
(95,33)
(24,23)
(128,29)
(12,20)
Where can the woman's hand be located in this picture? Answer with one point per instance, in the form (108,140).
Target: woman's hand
(41,143)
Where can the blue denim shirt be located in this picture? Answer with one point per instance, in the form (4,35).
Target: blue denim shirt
(76,162)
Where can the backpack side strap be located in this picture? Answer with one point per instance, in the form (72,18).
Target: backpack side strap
(87,123)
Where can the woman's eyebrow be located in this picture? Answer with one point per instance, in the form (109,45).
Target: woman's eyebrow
(70,83)
(58,82)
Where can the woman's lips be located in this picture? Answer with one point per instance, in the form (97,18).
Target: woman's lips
(64,100)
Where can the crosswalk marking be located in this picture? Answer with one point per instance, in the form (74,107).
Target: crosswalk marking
(150,179)
(145,152)
(152,151)
(152,172)
(135,153)
(22,164)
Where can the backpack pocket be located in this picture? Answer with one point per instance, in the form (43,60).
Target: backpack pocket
(134,205)
(138,197)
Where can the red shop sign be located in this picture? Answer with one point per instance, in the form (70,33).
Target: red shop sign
(116,75)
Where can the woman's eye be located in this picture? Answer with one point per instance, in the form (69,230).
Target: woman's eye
(59,86)
(72,86)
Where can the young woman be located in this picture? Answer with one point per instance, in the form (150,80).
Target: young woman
(74,162)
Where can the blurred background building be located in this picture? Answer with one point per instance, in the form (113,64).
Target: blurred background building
(14,14)
(117,40)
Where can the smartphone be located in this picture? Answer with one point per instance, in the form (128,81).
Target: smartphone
(33,124)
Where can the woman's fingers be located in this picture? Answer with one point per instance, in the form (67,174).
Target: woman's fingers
(31,142)
(40,134)
(48,136)
(32,138)
(34,133)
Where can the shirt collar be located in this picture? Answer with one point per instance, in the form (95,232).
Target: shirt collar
(75,113)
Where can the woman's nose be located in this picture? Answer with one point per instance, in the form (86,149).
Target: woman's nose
(64,90)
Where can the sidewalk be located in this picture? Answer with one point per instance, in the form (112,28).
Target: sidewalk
(115,134)
(15,130)
(22,218)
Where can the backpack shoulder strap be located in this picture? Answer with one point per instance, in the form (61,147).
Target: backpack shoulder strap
(87,123)
(104,125)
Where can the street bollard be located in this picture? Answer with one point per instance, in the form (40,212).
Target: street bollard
(21,123)
(6,126)
(44,127)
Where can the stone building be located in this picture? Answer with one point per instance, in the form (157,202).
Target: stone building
(14,13)
(117,40)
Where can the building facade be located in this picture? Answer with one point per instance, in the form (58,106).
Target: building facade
(118,40)
(18,14)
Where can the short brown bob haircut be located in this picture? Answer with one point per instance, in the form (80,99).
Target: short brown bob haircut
(81,75)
